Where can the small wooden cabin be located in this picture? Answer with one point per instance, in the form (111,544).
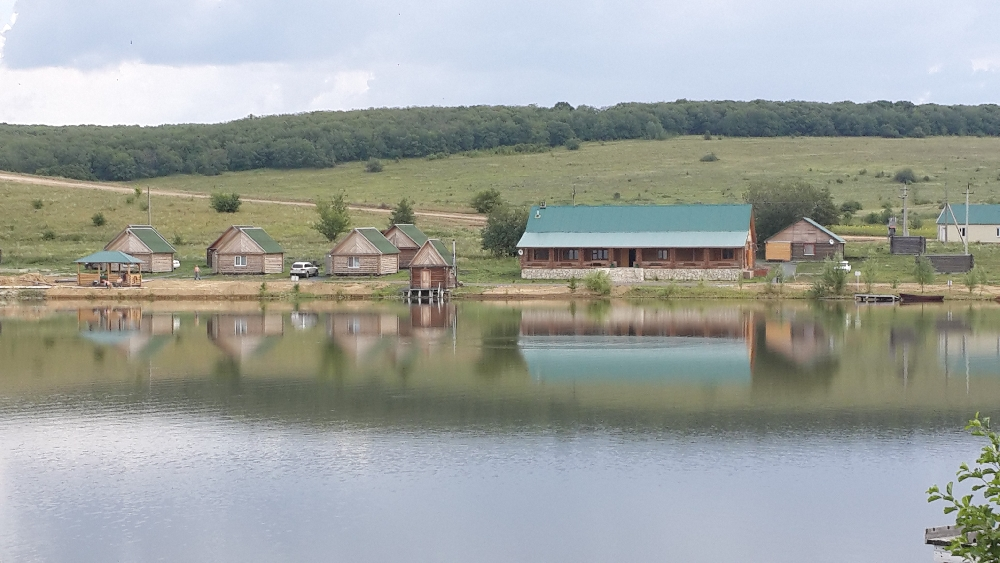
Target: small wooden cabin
(803,240)
(146,244)
(433,267)
(364,252)
(408,239)
(243,249)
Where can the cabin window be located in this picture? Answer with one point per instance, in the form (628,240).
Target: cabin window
(354,262)
(808,249)
(599,254)
(685,254)
(240,261)
(240,326)
(728,253)
(541,254)
(961,231)
(663,254)
(574,254)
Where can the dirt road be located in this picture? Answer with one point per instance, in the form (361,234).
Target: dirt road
(470,219)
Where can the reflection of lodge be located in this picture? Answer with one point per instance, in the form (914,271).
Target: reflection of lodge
(801,342)
(126,328)
(625,343)
(793,355)
(359,333)
(241,336)
(969,355)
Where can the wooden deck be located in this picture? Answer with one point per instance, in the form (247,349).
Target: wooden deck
(875,298)
(422,295)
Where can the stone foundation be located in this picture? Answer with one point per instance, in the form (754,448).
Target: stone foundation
(635,275)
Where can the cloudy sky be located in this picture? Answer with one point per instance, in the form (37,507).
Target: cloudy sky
(169,61)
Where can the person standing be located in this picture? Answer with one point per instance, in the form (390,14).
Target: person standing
(197,272)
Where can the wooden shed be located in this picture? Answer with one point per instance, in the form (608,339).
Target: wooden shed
(804,239)
(244,249)
(364,252)
(146,244)
(433,267)
(408,239)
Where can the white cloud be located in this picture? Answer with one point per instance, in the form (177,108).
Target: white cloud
(934,69)
(986,64)
(144,94)
(3,31)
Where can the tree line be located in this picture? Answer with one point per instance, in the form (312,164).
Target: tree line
(323,139)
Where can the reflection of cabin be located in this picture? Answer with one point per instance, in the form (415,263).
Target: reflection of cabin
(804,239)
(244,249)
(801,342)
(241,336)
(659,241)
(408,239)
(146,244)
(433,266)
(358,333)
(127,329)
(442,315)
(364,252)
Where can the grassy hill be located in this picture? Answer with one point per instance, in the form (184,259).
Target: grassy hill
(644,172)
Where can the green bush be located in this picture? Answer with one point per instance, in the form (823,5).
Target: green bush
(37,203)
(98,219)
(598,282)
(905,176)
(373,165)
(48,234)
(226,203)
(710,157)
(334,217)
(832,281)
(504,228)
(486,200)
(923,272)
(573,144)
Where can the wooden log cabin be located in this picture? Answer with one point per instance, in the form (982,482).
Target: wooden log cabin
(803,240)
(146,244)
(243,249)
(684,242)
(433,267)
(364,252)
(408,239)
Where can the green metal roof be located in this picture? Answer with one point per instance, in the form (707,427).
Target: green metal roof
(443,250)
(638,226)
(376,237)
(151,238)
(828,232)
(108,257)
(413,232)
(979,214)
(263,239)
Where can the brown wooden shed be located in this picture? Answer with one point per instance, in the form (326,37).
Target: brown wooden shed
(243,249)
(146,244)
(364,252)
(433,267)
(408,239)
(804,239)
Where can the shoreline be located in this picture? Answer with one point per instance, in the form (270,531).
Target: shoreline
(34,287)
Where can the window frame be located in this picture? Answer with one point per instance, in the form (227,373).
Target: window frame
(240,261)
(354,262)
(809,249)
(598,254)
(540,254)
(570,254)
(731,252)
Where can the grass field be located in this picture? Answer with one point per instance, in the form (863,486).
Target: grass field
(661,172)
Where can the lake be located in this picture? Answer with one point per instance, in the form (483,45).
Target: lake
(485,432)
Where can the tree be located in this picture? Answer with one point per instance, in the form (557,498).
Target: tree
(849,208)
(923,272)
(972,279)
(832,281)
(905,176)
(403,213)
(779,204)
(373,165)
(978,517)
(226,203)
(333,217)
(868,273)
(486,200)
(503,230)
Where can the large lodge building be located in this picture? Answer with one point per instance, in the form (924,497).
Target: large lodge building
(636,243)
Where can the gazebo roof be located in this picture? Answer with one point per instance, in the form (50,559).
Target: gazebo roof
(108,257)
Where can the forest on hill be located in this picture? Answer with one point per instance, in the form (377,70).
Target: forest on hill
(323,139)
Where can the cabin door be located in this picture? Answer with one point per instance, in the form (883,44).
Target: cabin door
(631,257)
(425,279)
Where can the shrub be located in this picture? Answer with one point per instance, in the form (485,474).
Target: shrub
(710,157)
(486,200)
(915,221)
(616,196)
(48,234)
(129,200)
(573,144)
(178,240)
(226,203)
(143,205)
(868,272)
(98,219)
(37,203)
(707,136)
(403,213)
(572,284)
(923,272)
(972,279)
(905,176)
(504,228)
(137,191)
(598,282)
(333,217)
(849,208)
(832,281)
(373,165)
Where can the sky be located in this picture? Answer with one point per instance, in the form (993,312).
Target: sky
(151,62)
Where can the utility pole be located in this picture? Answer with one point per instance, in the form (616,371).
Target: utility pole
(965,239)
(574,196)
(149,209)
(906,223)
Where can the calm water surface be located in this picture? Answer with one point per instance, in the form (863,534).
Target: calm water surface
(484,432)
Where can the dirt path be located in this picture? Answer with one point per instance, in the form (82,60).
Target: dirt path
(460,218)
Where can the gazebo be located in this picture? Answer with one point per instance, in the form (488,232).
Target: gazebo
(104,259)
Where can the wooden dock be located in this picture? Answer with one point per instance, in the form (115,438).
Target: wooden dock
(427,295)
(875,298)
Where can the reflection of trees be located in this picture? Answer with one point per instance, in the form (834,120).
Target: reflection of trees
(500,352)
(227,370)
(333,362)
